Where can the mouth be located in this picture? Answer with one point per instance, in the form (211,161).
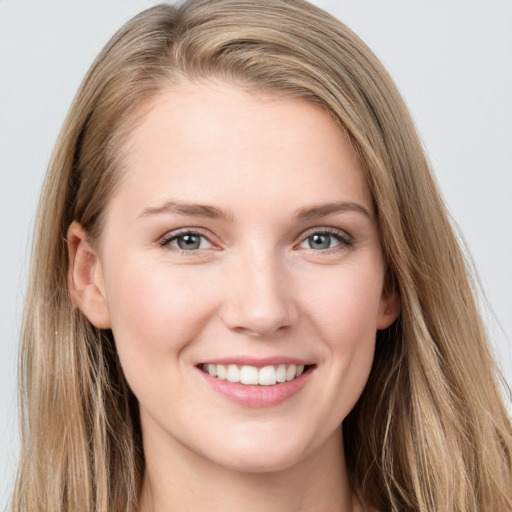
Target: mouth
(248,375)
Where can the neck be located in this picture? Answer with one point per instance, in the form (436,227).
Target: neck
(178,479)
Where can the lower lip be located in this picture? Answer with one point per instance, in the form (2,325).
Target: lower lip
(257,396)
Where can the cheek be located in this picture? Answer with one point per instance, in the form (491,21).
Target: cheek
(154,309)
(346,315)
(347,309)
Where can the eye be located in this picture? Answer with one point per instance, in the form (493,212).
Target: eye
(324,240)
(186,241)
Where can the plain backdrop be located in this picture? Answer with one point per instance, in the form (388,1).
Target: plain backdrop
(452,61)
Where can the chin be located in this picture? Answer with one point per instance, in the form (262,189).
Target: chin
(263,453)
(260,463)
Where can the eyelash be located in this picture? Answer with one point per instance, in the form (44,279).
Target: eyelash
(344,239)
(166,240)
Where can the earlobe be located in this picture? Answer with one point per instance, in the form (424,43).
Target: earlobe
(389,307)
(85,278)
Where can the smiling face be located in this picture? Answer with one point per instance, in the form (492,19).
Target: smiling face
(241,244)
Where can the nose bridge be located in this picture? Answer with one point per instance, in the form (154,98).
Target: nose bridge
(259,300)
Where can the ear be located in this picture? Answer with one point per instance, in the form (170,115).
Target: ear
(85,278)
(389,304)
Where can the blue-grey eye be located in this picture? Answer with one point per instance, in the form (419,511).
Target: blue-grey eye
(189,242)
(320,241)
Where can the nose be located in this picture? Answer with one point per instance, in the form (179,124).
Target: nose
(259,296)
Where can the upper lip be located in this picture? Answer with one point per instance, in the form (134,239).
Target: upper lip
(259,362)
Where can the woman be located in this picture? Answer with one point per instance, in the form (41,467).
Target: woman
(252,296)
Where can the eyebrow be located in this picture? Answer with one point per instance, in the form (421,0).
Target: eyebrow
(192,209)
(213,212)
(317,212)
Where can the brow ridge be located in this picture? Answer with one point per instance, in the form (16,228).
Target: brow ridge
(323,210)
(184,208)
(213,212)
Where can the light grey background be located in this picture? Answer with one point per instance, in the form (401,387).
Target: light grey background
(452,60)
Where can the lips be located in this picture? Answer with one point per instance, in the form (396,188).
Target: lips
(259,384)
(250,375)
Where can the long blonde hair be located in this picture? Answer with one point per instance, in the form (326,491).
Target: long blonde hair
(430,431)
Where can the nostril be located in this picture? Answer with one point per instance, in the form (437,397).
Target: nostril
(249,321)
(259,302)
(259,331)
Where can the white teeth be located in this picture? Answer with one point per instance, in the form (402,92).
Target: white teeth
(267,376)
(233,373)
(290,372)
(252,376)
(221,372)
(281,373)
(249,375)
(212,370)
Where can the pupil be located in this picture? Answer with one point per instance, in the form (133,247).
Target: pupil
(189,242)
(319,241)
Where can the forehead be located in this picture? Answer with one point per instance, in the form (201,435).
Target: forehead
(200,141)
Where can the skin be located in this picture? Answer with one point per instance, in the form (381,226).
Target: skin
(255,287)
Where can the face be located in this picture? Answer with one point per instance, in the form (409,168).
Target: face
(241,244)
